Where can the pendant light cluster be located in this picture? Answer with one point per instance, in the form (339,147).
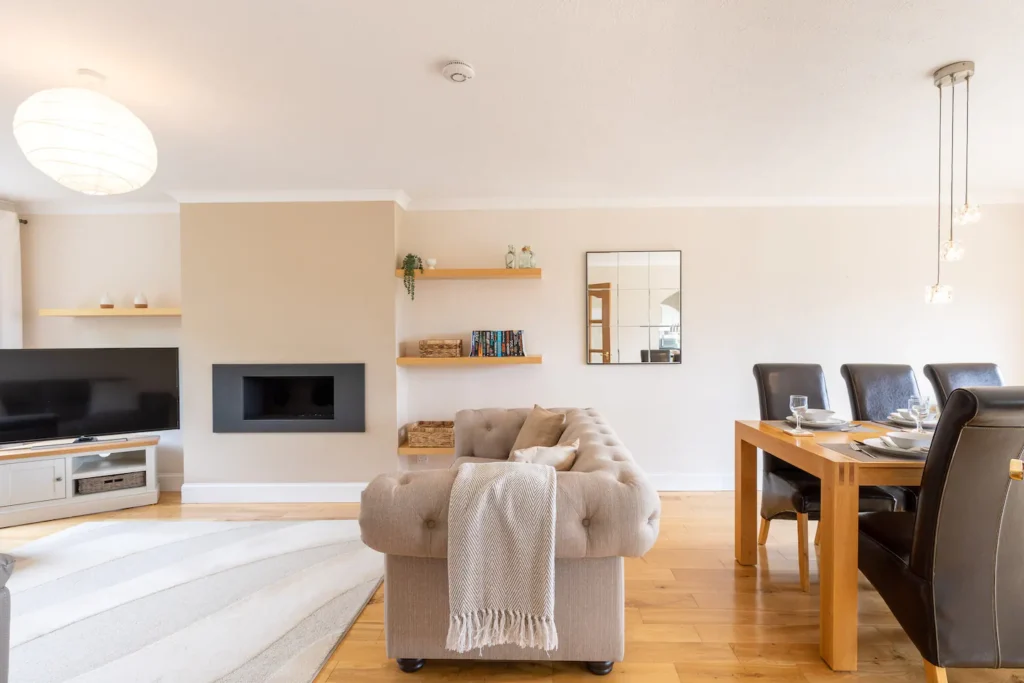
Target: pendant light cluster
(951,76)
(84,140)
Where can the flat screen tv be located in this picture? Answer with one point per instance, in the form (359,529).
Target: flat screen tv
(83,393)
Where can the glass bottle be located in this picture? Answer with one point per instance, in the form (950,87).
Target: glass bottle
(524,257)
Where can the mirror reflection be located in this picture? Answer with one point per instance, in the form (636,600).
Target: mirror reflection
(633,307)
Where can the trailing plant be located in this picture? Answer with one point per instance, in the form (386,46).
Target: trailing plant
(410,264)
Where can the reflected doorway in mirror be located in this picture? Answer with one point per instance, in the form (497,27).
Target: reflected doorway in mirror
(633,307)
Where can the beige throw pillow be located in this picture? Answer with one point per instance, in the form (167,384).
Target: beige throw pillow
(542,428)
(559,457)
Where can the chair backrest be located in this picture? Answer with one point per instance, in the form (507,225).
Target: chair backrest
(945,377)
(776,382)
(968,535)
(877,390)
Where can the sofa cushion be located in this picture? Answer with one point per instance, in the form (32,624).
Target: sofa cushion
(605,505)
(479,461)
(541,428)
(560,457)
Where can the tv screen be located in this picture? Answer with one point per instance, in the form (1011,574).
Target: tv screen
(68,393)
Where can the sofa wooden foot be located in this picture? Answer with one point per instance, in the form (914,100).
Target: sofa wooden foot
(600,668)
(410,666)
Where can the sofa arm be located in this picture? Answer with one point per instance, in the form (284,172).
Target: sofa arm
(407,513)
(599,514)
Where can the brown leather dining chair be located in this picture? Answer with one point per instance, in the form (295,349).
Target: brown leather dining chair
(787,492)
(945,377)
(951,572)
(878,389)
(875,391)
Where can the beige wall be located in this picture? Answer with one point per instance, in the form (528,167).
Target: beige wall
(70,261)
(824,285)
(288,283)
(314,283)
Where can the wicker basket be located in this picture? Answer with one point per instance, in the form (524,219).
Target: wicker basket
(131,480)
(431,435)
(441,348)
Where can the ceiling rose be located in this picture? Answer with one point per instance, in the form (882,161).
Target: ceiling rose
(85,141)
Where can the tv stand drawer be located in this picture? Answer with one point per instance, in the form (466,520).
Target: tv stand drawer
(32,481)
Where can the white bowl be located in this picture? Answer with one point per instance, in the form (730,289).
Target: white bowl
(818,415)
(910,440)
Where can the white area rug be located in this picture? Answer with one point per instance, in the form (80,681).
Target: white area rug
(188,602)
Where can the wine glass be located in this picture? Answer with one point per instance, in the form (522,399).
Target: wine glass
(919,408)
(798,404)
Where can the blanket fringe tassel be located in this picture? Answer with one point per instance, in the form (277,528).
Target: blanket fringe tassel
(487,627)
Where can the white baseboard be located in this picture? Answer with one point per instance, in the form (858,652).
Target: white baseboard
(171,481)
(678,481)
(328,492)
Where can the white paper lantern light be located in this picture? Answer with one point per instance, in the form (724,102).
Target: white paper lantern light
(85,141)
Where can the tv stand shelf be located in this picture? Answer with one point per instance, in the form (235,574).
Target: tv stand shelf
(108,465)
(38,483)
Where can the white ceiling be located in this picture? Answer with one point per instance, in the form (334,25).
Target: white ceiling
(584,101)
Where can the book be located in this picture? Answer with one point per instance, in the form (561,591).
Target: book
(497,343)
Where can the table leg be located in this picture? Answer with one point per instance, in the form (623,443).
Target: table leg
(746,502)
(838,569)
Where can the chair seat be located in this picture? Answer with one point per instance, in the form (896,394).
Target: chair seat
(787,492)
(884,544)
(892,532)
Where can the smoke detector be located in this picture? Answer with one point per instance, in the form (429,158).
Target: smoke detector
(457,72)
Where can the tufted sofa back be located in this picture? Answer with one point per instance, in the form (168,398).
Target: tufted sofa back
(488,433)
(606,507)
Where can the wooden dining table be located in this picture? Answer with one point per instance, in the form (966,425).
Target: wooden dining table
(842,474)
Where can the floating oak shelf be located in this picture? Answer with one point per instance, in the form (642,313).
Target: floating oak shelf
(476,274)
(110,312)
(406,449)
(467,361)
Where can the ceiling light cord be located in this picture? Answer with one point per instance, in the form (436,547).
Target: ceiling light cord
(938,223)
(952,150)
(967,141)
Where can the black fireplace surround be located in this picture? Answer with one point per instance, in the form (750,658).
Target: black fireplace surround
(311,397)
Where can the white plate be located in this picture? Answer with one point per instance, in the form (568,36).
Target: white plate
(879,445)
(896,419)
(834,422)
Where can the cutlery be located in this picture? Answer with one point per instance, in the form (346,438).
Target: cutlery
(890,443)
(855,445)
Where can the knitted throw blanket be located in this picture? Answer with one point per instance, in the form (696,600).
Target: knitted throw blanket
(501,557)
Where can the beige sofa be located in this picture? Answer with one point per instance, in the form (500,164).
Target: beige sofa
(606,510)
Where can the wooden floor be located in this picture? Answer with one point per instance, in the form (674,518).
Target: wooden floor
(692,614)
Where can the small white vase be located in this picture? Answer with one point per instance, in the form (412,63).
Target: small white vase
(106,301)
(140,301)
(431,263)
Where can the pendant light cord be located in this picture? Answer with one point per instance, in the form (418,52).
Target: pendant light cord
(967,140)
(952,150)
(938,225)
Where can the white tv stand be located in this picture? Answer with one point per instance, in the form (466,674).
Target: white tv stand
(39,483)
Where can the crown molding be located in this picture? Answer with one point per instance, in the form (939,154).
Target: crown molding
(552,203)
(402,199)
(188,197)
(86,208)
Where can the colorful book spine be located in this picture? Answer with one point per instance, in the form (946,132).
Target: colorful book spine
(497,343)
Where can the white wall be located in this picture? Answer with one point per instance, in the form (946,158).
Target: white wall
(824,285)
(70,261)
